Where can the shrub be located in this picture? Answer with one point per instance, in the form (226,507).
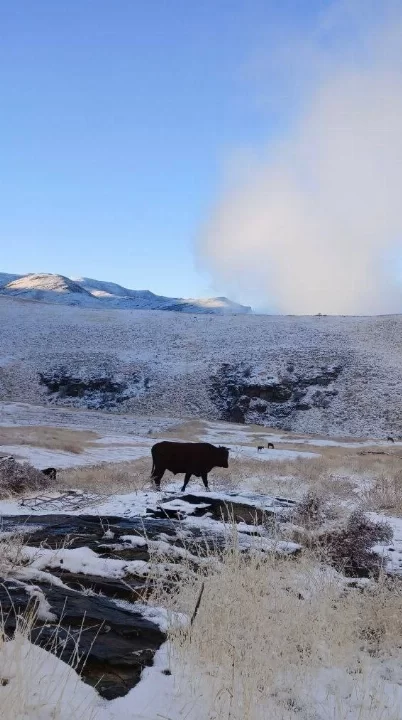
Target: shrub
(311,510)
(17,478)
(349,549)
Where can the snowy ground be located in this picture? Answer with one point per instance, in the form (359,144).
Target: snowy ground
(56,691)
(109,449)
(106,450)
(167,359)
(19,413)
(229,433)
(391,552)
(159,695)
(127,450)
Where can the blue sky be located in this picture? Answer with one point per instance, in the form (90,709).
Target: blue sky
(116,121)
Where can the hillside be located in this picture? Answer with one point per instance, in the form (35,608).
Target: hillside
(331,375)
(86,292)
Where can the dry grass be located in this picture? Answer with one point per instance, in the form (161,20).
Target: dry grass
(335,475)
(187,431)
(384,493)
(290,478)
(374,481)
(108,478)
(51,438)
(281,638)
(11,553)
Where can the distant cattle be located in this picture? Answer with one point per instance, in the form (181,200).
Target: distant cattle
(260,447)
(50,472)
(270,446)
(189,458)
(390,439)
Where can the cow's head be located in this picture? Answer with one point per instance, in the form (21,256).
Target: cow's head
(223,456)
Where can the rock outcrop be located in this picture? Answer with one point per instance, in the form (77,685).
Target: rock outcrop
(105,390)
(258,396)
(77,617)
(108,645)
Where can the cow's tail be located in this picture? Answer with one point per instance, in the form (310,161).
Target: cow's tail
(153,470)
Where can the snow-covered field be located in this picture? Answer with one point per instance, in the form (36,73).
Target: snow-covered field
(54,690)
(162,363)
(169,359)
(103,450)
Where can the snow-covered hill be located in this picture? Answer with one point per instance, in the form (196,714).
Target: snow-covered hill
(330,375)
(48,288)
(87,292)
(7,278)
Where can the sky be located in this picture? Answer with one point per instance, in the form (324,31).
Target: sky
(116,119)
(206,148)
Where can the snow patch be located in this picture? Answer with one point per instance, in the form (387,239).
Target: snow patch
(84,561)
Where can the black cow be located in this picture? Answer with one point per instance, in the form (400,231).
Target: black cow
(50,472)
(390,439)
(270,446)
(260,447)
(189,458)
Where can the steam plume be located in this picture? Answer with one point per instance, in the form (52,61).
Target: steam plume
(313,225)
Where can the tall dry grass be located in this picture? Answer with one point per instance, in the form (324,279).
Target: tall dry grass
(11,553)
(275,637)
(50,438)
(108,478)
(383,493)
(371,481)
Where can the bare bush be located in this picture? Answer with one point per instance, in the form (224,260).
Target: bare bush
(17,478)
(311,510)
(349,549)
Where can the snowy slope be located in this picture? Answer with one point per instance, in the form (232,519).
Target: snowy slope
(180,365)
(48,288)
(7,278)
(123,297)
(87,292)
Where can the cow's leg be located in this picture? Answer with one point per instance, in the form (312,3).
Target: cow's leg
(186,481)
(157,476)
(205,480)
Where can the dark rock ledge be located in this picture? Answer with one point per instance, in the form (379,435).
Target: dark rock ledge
(115,644)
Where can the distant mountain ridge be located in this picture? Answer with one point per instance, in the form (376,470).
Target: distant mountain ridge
(91,293)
